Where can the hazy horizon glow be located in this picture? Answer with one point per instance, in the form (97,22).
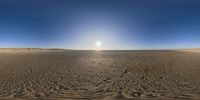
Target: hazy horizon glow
(116,24)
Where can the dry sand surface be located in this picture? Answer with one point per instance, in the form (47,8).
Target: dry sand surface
(110,75)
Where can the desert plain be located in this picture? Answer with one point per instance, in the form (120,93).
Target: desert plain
(53,74)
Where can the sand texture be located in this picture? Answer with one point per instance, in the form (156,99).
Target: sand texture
(108,75)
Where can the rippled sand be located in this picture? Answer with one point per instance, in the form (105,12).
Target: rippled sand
(110,75)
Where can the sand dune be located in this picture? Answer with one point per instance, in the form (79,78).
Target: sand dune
(109,75)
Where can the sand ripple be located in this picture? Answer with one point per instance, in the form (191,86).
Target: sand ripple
(109,75)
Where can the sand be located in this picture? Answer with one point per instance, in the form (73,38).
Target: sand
(109,75)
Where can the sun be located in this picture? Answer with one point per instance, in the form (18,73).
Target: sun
(98,44)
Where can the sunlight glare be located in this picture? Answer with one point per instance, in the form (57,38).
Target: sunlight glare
(98,43)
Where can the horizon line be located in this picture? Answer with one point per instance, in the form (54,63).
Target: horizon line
(101,49)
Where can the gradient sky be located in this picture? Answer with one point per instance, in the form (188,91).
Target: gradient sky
(118,24)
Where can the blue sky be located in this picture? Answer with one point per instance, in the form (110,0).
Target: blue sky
(118,24)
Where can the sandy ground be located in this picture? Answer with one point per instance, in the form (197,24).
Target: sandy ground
(109,75)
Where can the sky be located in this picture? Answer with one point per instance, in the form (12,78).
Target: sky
(116,24)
